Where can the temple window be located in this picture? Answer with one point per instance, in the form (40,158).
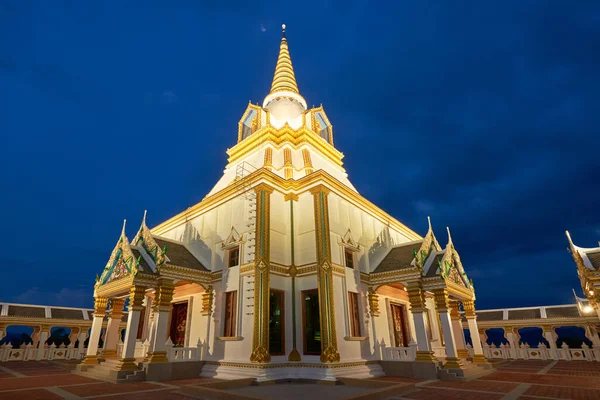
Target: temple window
(234,257)
(230,306)
(323,128)
(247,125)
(349,258)
(354,315)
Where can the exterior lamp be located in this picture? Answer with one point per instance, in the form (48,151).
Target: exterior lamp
(587,309)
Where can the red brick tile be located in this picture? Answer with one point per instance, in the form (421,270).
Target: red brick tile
(441,394)
(160,395)
(42,381)
(109,388)
(574,393)
(397,379)
(499,387)
(35,394)
(190,381)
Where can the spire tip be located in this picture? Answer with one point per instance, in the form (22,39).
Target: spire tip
(283,31)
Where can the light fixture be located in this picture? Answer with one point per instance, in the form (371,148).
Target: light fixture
(591,292)
(587,309)
(405,289)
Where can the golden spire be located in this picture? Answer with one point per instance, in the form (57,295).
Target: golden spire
(284,79)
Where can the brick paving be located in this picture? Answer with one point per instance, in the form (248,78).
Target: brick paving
(577,380)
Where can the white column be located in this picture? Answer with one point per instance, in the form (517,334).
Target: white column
(417,308)
(111,338)
(136,298)
(442,305)
(469,306)
(44,334)
(157,352)
(549,336)
(459,333)
(91,356)
(81,338)
(514,344)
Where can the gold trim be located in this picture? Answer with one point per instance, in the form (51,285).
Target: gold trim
(260,334)
(329,350)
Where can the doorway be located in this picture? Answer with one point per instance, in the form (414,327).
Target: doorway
(276,323)
(311,322)
(178,323)
(399,325)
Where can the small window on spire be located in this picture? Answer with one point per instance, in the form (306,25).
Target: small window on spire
(323,129)
(248,124)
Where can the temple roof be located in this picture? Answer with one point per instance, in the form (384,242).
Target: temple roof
(594,258)
(400,257)
(284,78)
(177,254)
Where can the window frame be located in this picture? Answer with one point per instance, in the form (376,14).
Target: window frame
(230,314)
(231,251)
(348,254)
(354,315)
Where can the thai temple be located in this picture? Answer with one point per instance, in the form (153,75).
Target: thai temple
(285,271)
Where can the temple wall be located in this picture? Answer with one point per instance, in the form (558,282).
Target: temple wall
(384,323)
(374,237)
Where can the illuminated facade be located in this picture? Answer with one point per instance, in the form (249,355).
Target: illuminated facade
(284,270)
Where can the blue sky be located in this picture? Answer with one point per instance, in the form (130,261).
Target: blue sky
(483,115)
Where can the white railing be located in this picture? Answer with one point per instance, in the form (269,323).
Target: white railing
(29,352)
(542,352)
(179,354)
(439,352)
(408,353)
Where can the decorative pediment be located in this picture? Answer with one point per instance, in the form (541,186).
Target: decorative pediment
(320,124)
(348,242)
(122,263)
(429,244)
(144,239)
(233,240)
(451,268)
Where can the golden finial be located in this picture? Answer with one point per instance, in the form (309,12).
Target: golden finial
(284,79)
(144,219)
(123,229)
(449,236)
(429,222)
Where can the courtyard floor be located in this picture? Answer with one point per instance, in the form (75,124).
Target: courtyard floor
(515,380)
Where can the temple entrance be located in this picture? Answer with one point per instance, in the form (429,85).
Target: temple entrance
(399,323)
(178,323)
(276,323)
(311,322)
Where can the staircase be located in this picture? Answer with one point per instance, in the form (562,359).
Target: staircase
(106,371)
(469,371)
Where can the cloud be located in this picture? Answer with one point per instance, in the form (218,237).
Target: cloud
(262,28)
(169,97)
(66,297)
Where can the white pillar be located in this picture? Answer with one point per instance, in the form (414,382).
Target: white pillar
(417,308)
(81,338)
(113,332)
(136,298)
(459,333)
(512,341)
(41,348)
(469,306)
(91,356)
(442,305)
(157,352)
(549,336)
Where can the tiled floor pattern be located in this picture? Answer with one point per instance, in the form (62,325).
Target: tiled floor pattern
(576,380)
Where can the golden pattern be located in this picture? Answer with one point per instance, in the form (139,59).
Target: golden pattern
(373,299)
(260,334)
(284,79)
(308,167)
(269,158)
(329,351)
(287,163)
(207,300)
(163,296)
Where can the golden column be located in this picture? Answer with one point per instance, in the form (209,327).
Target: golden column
(416,297)
(260,335)
(91,356)
(459,334)
(329,351)
(161,307)
(112,330)
(469,307)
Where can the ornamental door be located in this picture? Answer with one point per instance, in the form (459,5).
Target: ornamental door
(399,325)
(178,323)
